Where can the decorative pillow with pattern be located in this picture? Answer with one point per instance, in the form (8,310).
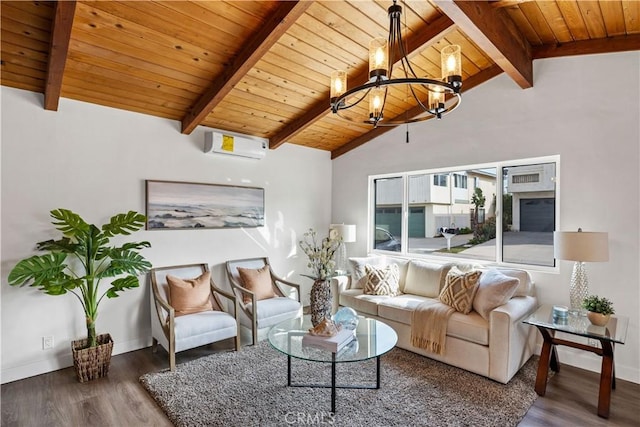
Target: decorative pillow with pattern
(459,289)
(358,274)
(382,280)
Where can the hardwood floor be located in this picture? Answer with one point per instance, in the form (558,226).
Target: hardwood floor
(57,399)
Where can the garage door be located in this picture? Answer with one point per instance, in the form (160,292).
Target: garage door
(416,222)
(537,214)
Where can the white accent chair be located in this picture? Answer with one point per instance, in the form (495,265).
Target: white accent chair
(180,333)
(268,311)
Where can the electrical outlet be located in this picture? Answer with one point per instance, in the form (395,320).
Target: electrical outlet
(594,343)
(47,342)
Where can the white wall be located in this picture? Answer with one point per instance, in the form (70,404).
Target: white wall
(587,110)
(94,160)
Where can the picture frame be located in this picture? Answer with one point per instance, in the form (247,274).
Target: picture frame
(174,205)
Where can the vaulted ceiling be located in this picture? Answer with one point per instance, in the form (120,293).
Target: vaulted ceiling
(262,67)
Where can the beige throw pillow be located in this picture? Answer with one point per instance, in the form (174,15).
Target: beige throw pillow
(494,289)
(188,296)
(460,289)
(382,281)
(425,278)
(257,281)
(525,286)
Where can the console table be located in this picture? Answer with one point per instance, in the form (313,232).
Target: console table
(613,332)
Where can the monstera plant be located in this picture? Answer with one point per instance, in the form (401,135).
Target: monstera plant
(82,259)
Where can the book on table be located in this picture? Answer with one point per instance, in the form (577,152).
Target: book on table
(333,344)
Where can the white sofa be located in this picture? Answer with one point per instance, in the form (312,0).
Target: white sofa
(495,348)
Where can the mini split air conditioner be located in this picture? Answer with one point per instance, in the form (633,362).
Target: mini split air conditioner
(235,144)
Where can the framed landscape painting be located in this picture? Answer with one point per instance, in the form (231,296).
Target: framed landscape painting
(174,205)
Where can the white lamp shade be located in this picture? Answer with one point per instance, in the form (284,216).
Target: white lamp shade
(584,246)
(346,231)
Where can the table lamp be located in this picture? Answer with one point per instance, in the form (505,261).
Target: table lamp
(348,234)
(580,246)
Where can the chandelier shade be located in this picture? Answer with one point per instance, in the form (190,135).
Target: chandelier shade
(338,84)
(435,97)
(378,59)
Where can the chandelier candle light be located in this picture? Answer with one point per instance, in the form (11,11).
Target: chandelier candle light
(435,97)
(580,246)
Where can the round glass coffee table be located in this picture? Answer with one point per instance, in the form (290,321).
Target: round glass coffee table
(372,340)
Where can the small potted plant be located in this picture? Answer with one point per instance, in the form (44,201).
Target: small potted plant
(599,310)
(76,264)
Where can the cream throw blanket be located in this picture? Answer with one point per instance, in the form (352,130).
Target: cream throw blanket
(429,326)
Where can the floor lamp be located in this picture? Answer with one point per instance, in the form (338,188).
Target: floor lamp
(581,247)
(348,234)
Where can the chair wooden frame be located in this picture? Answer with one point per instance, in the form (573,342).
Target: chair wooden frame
(240,291)
(168,322)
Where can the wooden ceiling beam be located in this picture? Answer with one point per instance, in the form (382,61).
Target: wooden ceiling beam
(58,51)
(496,34)
(507,3)
(428,35)
(468,84)
(270,32)
(588,47)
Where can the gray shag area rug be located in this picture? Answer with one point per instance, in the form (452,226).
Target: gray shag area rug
(248,388)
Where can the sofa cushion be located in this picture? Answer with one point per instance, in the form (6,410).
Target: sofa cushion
(362,303)
(425,278)
(358,275)
(469,327)
(460,289)
(382,280)
(272,311)
(494,289)
(399,308)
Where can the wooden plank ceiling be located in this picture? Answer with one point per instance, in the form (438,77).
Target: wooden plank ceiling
(262,67)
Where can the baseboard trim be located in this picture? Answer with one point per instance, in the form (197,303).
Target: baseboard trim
(56,363)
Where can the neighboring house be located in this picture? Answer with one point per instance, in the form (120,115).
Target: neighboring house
(533,191)
(435,201)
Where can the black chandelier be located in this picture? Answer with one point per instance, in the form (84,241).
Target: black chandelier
(443,96)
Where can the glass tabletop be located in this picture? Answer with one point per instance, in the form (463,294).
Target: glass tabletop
(614,331)
(373,338)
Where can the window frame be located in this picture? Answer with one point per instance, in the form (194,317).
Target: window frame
(440,175)
(462,179)
(499,166)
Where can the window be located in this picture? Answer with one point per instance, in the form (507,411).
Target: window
(522,179)
(529,219)
(388,213)
(440,180)
(460,180)
(508,215)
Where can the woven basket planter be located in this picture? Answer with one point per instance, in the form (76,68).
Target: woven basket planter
(93,362)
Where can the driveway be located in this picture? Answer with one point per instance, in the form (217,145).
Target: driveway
(518,247)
